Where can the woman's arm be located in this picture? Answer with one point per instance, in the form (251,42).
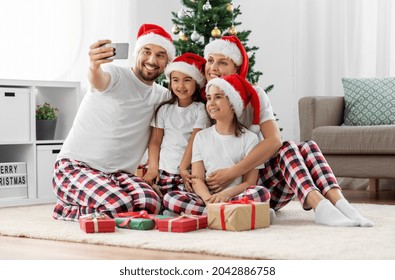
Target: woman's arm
(249,179)
(186,162)
(266,149)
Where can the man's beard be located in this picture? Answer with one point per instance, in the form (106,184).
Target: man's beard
(145,77)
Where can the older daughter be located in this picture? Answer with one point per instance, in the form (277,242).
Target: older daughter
(289,169)
(175,125)
(219,146)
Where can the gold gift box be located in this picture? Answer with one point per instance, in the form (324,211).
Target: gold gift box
(238,217)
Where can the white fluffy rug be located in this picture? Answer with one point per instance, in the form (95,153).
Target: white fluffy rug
(294,235)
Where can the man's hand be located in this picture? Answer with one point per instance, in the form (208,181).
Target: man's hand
(98,54)
(99,79)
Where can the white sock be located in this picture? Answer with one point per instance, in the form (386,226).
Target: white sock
(272,215)
(327,214)
(348,210)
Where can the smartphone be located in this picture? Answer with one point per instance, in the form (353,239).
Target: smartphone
(121,50)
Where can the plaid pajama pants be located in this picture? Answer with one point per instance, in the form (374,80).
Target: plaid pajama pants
(169,182)
(190,203)
(82,190)
(296,170)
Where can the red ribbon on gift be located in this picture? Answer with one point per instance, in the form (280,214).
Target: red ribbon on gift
(182,216)
(244,200)
(133,215)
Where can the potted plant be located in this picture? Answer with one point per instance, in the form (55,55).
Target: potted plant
(46,118)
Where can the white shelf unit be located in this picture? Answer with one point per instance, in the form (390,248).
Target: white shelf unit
(22,146)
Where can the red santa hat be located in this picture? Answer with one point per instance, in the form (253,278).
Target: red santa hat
(190,64)
(154,34)
(239,92)
(231,47)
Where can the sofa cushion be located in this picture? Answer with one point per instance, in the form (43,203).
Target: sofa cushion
(369,101)
(355,139)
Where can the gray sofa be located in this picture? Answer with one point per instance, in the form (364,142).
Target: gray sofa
(351,151)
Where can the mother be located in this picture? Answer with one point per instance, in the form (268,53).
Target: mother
(290,169)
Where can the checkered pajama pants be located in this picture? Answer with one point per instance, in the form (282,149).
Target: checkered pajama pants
(82,190)
(190,203)
(296,170)
(169,182)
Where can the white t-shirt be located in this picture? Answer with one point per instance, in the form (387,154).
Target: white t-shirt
(222,151)
(266,110)
(111,129)
(178,124)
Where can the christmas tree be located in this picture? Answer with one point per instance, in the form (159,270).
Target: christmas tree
(201,21)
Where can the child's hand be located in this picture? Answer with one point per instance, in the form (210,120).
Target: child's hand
(187,179)
(219,197)
(156,188)
(151,177)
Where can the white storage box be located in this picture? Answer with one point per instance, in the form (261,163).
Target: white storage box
(46,158)
(14,114)
(13,180)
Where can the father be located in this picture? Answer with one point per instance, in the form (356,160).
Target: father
(95,169)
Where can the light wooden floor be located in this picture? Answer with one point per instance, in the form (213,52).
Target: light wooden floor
(12,248)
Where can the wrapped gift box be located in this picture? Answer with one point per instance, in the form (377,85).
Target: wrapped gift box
(183,223)
(93,223)
(138,220)
(135,223)
(239,215)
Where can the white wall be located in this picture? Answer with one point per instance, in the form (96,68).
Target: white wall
(271,23)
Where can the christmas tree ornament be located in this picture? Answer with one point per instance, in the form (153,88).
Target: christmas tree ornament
(216,32)
(182,13)
(232,30)
(182,36)
(195,36)
(207,6)
(229,7)
(175,29)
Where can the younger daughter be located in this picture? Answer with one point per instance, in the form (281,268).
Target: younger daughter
(175,124)
(221,145)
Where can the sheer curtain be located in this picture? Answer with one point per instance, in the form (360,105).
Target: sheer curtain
(50,39)
(341,38)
